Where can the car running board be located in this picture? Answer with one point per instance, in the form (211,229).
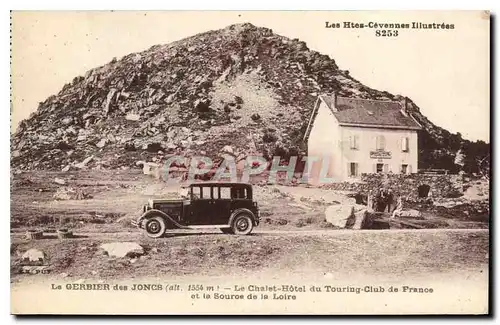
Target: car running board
(208,226)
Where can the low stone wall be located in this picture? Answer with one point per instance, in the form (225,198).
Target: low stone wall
(407,186)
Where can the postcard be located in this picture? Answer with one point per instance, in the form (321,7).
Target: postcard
(250,162)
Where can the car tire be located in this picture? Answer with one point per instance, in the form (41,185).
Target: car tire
(155,227)
(242,224)
(227,231)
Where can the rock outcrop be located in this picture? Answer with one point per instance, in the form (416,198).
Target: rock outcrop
(242,86)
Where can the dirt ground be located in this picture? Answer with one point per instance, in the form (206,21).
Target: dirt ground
(315,252)
(293,237)
(112,198)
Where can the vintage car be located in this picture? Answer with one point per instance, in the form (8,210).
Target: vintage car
(227,206)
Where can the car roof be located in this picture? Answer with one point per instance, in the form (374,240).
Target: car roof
(229,184)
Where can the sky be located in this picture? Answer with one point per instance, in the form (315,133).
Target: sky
(445,72)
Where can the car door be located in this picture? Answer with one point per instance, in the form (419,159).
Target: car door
(222,204)
(202,206)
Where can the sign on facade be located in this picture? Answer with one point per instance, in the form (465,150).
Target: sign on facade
(380,154)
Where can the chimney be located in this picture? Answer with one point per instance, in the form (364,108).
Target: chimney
(404,106)
(334,97)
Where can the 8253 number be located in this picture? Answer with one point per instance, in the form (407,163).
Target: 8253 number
(386,33)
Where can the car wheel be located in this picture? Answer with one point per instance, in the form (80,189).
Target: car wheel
(242,224)
(155,227)
(227,230)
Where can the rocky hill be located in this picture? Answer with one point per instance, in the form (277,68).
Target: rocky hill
(242,89)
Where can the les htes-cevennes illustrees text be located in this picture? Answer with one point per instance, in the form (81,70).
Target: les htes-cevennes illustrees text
(389,29)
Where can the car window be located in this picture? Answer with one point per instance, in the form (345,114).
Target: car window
(205,193)
(195,192)
(184,192)
(238,193)
(225,193)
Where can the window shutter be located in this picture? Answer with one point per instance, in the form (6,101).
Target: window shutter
(351,142)
(409,169)
(356,142)
(349,169)
(386,168)
(374,168)
(405,144)
(377,145)
(380,142)
(356,166)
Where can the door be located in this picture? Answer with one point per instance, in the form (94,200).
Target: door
(202,206)
(222,196)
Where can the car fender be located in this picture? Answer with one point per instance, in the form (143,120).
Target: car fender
(238,211)
(153,213)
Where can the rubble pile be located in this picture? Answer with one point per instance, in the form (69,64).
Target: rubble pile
(241,86)
(70,193)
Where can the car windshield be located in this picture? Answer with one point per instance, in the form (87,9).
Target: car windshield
(184,192)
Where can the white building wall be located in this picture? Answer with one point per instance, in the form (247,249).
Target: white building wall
(324,144)
(367,142)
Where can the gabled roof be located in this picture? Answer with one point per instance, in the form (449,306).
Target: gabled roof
(369,113)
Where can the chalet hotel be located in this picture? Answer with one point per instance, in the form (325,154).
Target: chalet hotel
(361,136)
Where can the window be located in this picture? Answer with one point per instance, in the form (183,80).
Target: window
(354,142)
(205,193)
(195,192)
(200,192)
(225,193)
(380,142)
(238,193)
(405,144)
(381,168)
(404,169)
(353,169)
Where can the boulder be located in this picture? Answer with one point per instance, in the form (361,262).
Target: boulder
(67,120)
(59,181)
(132,117)
(62,194)
(339,215)
(360,219)
(101,143)
(123,249)
(69,193)
(34,255)
(411,214)
(368,219)
(350,216)
(84,162)
(150,168)
(109,101)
